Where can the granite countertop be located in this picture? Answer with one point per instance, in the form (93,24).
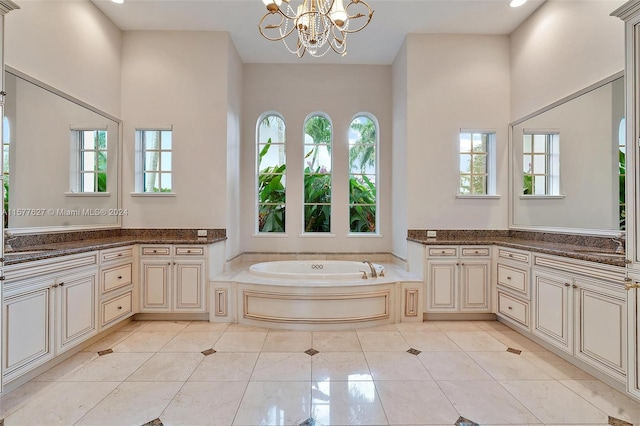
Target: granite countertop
(51,249)
(575,248)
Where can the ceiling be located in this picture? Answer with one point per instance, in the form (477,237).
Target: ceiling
(376,44)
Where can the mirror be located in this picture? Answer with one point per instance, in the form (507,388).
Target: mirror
(567,163)
(60,160)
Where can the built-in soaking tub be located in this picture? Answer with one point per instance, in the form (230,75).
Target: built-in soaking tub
(317,294)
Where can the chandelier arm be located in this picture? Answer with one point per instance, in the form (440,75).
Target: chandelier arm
(273,27)
(352,18)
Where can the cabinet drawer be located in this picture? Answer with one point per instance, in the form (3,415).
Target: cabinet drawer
(513,278)
(116,254)
(116,277)
(475,251)
(189,251)
(443,251)
(156,251)
(513,308)
(116,308)
(513,255)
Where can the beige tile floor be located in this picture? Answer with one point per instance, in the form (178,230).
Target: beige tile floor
(365,377)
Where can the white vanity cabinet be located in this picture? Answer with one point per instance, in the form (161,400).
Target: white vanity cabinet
(172,278)
(49,306)
(513,286)
(581,309)
(458,279)
(117,289)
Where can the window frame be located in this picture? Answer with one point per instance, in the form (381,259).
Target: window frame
(283,143)
(552,163)
(376,145)
(76,161)
(491,168)
(141,161)
(304,175)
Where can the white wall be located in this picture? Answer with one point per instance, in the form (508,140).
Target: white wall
(234,118)
(399,156)
(454,82)
(562,48)
(69,45)
(179,79)
(295,91)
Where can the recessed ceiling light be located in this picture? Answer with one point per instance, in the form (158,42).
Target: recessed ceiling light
(118,1)
(514,3)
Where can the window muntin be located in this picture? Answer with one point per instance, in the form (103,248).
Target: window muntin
(92,160)
(476,163)
(541,166)
(317,174)
(363,199)
(271,163)
(156,146)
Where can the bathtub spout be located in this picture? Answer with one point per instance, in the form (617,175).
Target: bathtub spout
(373,269)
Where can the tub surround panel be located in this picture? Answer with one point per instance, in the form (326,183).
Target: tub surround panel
(582,247)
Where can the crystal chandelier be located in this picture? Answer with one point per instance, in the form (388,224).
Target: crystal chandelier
(315,26)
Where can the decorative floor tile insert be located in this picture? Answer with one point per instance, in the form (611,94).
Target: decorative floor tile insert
(208,352)
(514,351)
(154,422)
(465,422)
(105,352)
(414,351)
(617,422)
(311,352)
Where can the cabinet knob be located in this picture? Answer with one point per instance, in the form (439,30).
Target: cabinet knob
(3,93)
(54,286)
(119,277)
(574,286)
(510,255)
(168,263)
(119,307)
(188,251)
(442,252)
(155,251)
(2,278)
(462,263)
(61,284)
(567,284)
(477,252)
(174,263)
(509,307)
(457,264)
(119,254)
(508,278)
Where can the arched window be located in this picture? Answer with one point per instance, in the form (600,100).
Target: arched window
(317,173)
(363,172)
(271,166)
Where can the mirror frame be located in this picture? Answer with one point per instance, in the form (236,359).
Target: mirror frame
(513,196)
(118,195)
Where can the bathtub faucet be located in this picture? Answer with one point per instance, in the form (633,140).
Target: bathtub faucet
(373,269)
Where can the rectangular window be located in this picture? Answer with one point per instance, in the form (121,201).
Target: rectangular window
(156,153)
(540,161)
(476,150)
(91,148)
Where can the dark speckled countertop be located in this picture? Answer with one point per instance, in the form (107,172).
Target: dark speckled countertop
(590,248)
(27,248)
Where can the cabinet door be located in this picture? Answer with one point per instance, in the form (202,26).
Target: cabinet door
(27,332)
(553,309)
(155,286)
(441,286)
(474,286)
(601,327)
(189,286)
(77,309)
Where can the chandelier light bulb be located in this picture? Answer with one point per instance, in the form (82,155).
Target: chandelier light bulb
(338,15)
(517,3)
